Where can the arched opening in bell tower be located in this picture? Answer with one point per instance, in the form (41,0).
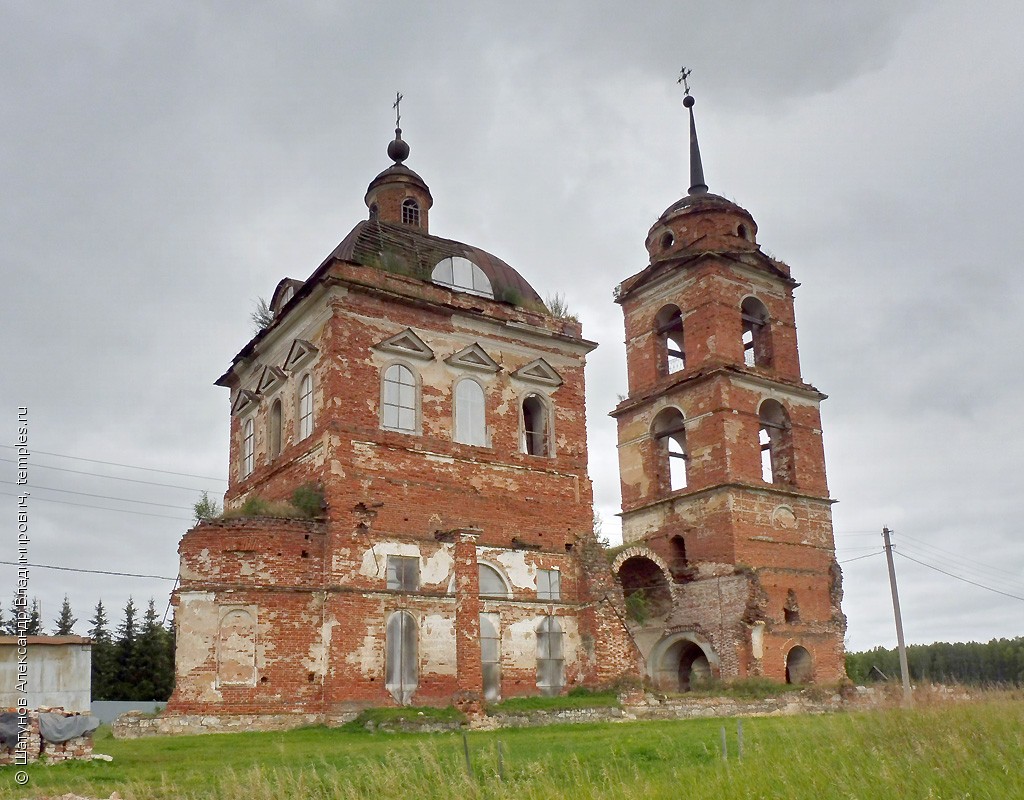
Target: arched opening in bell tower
(669,432)
(668,326)
(757,342)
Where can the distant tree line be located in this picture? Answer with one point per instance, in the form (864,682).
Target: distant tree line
(133,662)
(1000,661)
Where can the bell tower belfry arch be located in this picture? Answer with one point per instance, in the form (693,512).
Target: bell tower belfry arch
(721,461)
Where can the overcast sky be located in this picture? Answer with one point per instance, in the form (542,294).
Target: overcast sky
(164,165)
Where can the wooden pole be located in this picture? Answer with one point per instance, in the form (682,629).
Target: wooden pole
(908,698)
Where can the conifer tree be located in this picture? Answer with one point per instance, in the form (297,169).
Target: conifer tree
(102,655)
(65,623)
(151,663)
(126,677)
(35,620)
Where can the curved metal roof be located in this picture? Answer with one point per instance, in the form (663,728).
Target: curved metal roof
(410,251)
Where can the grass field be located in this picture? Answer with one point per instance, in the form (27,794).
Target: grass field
(957,750)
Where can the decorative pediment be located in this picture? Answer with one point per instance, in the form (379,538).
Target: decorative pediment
(271,378)
(244,401)
(406,343)
(539,371)
(473,357)
(301,353)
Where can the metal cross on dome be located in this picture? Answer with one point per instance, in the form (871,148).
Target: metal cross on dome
(684,73)
(398,111)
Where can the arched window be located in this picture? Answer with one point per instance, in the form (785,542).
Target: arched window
(470,418)
(490,656)
(374,211)
(536,423)
(670,438)
(400,400)
(305,406)
(400,655)
(275,429)
(776,439)
(550,661)
(669,328)
(463,275)
(410,212)
(799,665)
(491,584)
(248,448)
(757,344)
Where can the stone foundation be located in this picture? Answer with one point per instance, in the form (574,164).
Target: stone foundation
(80,747)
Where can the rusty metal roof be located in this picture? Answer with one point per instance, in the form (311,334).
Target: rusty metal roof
(410,251)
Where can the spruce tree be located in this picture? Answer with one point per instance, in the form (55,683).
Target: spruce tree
(126,675)
(102,655)
(35,620)
(151,662)
(65,623)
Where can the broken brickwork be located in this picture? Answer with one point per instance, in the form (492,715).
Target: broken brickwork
(724,497)
(444,424)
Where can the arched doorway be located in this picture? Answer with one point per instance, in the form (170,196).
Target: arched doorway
(680,663)
(799,666)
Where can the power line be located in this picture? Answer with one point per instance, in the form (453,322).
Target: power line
(107,477)
(99,508)
(960,557)
(115,464)
(979,574)
(89,494)
(858,558)
(957,577)
(91,571)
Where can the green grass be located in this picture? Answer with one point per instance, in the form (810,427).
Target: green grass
(952,751)
(391,717)
(576,699)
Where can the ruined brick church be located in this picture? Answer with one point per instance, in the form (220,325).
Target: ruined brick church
(422,393)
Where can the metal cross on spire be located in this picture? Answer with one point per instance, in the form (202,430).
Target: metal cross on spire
(684,73)
(398,110)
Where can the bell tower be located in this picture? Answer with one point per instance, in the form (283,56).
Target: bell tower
(729,567)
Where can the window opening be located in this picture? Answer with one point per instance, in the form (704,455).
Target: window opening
(248,448)
(549,584)
(669,326)
(491,584)
(776,441)
(403,573)
(670,436)
(275,429)
(410,212)
(305,407)
(401,667)
(374,211)
(462,275)
(757,351)
(535,425)
(791,610)
(470,422)
(667,240)
(399,399)
(490,656)
(550,661)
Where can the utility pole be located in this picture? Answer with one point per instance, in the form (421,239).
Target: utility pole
(908,698)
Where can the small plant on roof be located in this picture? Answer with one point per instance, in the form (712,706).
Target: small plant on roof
(559,308)
(261,316)
(205,509)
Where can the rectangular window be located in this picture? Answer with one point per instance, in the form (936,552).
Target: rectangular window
(549,585)
(403,573)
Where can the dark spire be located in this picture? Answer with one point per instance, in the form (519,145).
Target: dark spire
(697,185)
